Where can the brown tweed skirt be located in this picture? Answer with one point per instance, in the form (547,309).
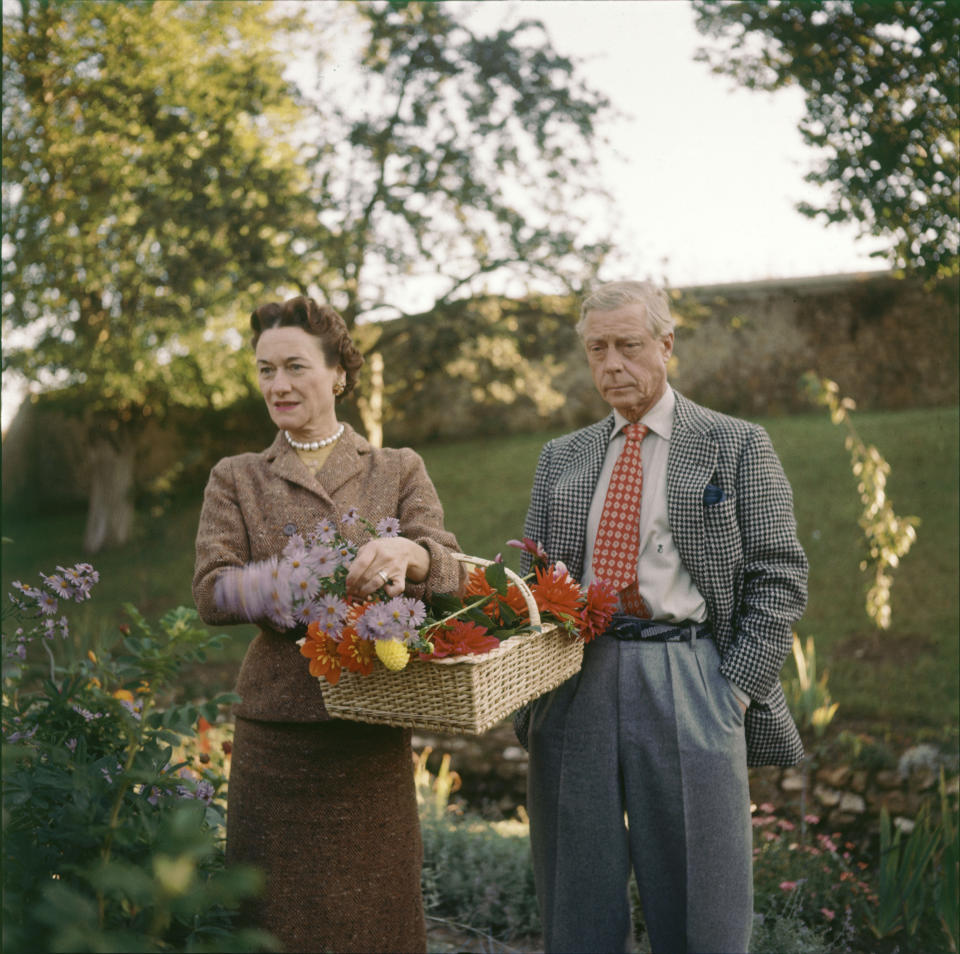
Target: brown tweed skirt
(328,811)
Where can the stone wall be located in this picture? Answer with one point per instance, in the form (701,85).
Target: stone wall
(740,348)
(888,343)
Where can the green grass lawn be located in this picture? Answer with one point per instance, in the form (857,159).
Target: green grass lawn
(900,680)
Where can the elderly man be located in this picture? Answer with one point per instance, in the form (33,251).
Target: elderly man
(640,760)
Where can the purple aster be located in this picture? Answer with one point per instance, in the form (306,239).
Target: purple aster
(388,527)
(205,791)
(31,592)
(332,607)
(326,531)
(409,635)
(378,623)
(350,517)
(47,603)
(332,627)
(323,560)
(295,552)
(58,584)
(301,582)
(309,612)
(20,651)
(49,628)
(409,611)
(71,744)
(64,627)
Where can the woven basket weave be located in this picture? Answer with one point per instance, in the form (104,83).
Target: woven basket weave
(462,695)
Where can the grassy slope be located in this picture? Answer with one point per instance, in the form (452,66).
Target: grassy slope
(905,678)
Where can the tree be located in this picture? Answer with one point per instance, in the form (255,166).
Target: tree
(450,155)
(449,162)
(881,88)
(150,189)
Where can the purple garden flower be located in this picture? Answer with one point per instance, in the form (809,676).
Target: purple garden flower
(59,585)
(47,603)
(323,560)
(309,612)
(350,517)
(326,531)
(378,622)
(388,527)
(332,607)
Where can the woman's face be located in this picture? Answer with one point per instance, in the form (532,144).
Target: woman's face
(297,383)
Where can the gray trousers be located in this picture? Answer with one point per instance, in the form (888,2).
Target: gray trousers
(640,761)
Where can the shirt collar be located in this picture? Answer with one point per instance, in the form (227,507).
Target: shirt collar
(659,418)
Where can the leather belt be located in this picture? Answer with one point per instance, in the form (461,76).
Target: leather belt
(650,630)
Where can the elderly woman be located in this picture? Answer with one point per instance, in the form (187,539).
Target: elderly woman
(326,808)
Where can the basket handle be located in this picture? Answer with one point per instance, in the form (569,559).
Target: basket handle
(514,578)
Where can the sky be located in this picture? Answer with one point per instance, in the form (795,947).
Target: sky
(705,175)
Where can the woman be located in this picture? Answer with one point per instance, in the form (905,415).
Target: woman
(325,807)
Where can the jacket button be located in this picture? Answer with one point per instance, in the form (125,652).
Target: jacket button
(290,529)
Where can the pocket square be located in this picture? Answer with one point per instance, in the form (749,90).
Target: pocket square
(712,494)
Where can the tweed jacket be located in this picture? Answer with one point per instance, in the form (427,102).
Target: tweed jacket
(254,502)
(742,551)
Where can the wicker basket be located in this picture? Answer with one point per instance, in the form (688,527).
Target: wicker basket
(462,695)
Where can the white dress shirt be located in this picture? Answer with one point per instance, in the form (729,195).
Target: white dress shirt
(662,579)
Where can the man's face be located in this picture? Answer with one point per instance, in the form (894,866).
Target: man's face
(629,365)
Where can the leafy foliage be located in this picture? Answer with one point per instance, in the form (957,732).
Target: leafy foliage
(452,155)
(888,536)
(112,839)
(476,874)
(808,696)
(148,184)
(880,82)
(918,875)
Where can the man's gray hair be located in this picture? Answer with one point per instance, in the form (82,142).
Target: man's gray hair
(615,295)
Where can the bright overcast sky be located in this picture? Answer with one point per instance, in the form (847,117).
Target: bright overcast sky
(709,173)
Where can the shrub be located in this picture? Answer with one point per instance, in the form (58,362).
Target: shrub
(815,880)
(111,842)
(476,874)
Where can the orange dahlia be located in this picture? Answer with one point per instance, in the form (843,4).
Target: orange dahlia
(600,605)
(477,585)
(356,654)
(459,638)
(558,594)
(322,651)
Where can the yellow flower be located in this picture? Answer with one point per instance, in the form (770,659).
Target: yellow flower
(392,653)
(91,656)
(124,695)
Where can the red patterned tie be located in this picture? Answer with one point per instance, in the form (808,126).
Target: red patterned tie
(617,547)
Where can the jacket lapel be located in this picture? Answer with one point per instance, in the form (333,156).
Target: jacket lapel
(342,465)
(578,481)
(691,463)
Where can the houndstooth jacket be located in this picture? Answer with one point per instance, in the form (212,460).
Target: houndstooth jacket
(742,552)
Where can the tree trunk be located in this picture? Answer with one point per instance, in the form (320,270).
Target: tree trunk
(110,513)
(371,409)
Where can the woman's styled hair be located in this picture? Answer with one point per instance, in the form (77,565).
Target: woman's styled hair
(615,295)
(321,321)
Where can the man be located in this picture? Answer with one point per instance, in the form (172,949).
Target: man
(640,760)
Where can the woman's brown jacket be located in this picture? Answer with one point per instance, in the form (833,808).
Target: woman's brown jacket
(254,502)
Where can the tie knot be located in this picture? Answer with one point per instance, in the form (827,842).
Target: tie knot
(636,432)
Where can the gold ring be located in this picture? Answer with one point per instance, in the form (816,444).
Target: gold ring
(383,576)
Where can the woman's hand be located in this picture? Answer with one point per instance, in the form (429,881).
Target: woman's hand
(387,562)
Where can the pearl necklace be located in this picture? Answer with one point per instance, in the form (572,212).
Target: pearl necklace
(313,445)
